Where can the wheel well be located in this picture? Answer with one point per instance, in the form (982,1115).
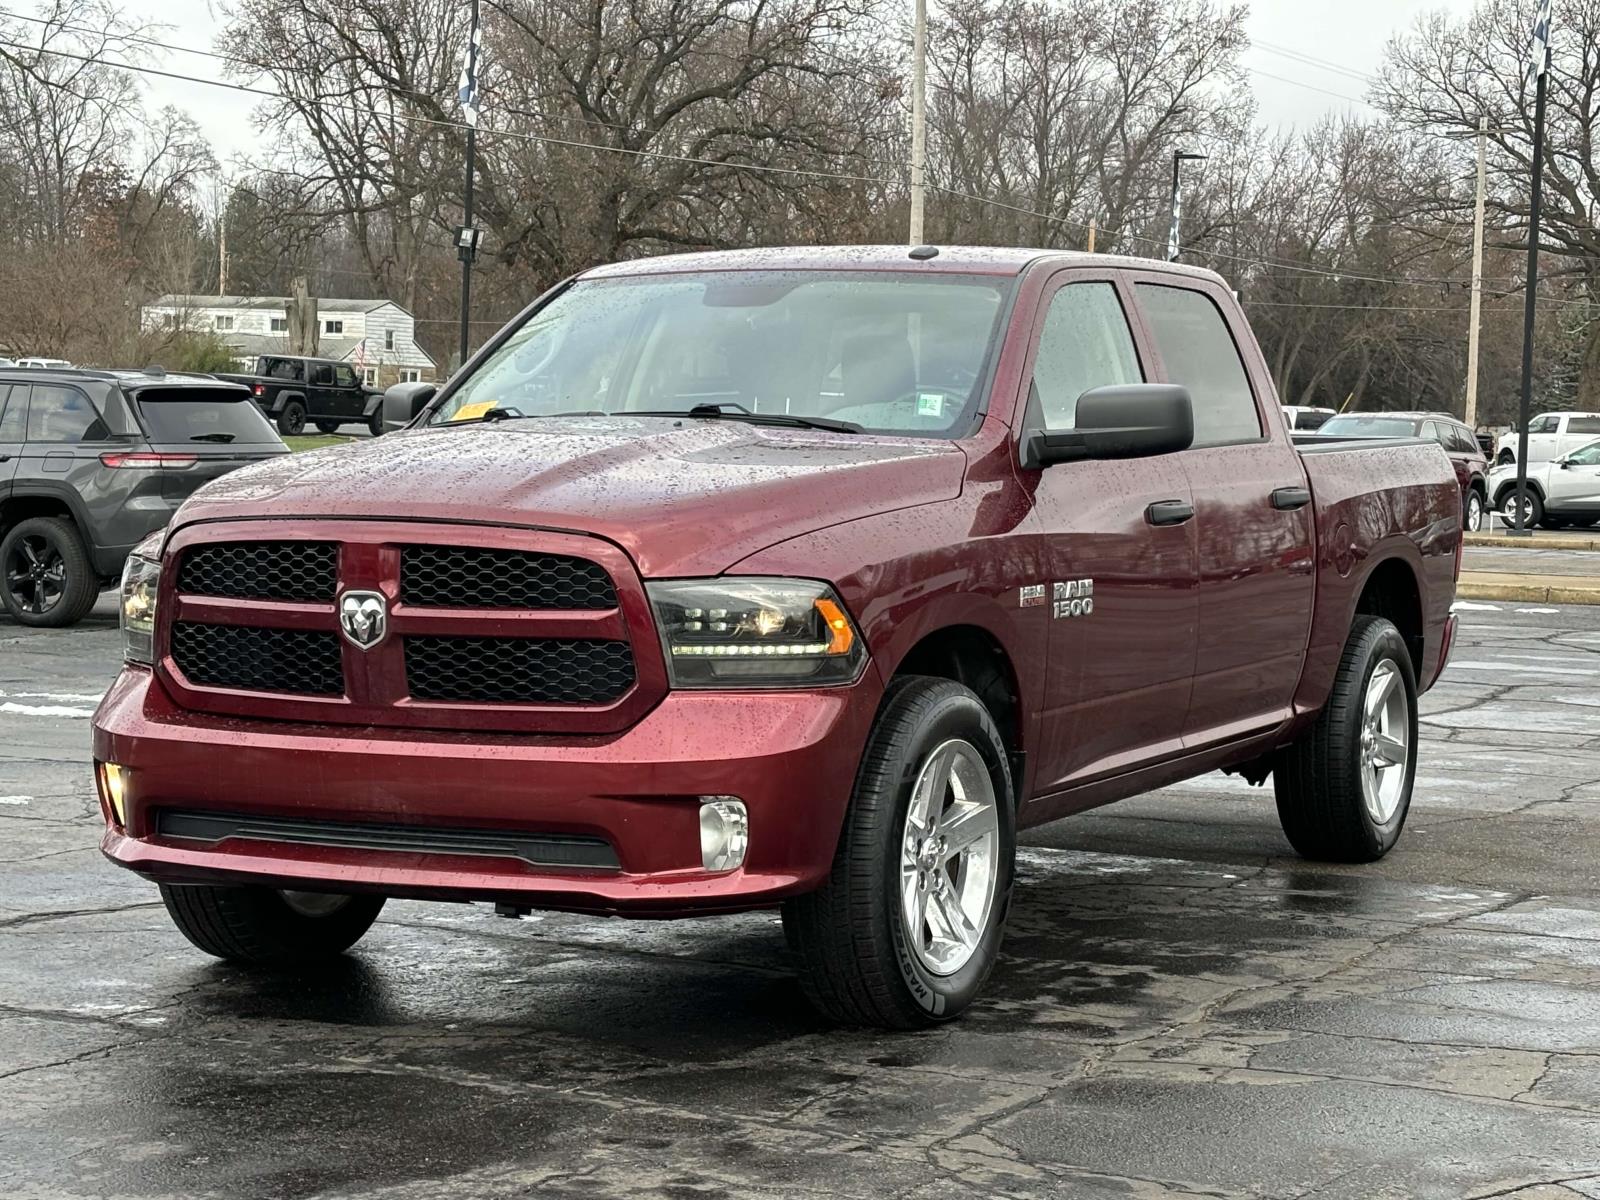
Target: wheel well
(24,508)
(973,657)
(1391,593)
(1510,486)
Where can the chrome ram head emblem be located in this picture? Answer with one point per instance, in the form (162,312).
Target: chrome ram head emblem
(364,617)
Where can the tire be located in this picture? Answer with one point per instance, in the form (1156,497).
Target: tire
(329,426)
(375,422)
(46,579)
(861,961)
(292,419)
(265,927)
(1325,802)
(1506,458)
(1472,516)
(1534,513)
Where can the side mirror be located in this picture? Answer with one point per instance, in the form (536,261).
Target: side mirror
(1133,420)
(402,403)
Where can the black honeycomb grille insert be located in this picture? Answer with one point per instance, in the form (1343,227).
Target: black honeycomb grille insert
(474,577)
(518,670)
(261,570)
(259,660)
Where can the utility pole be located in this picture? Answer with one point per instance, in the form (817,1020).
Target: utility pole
(1179,157)
(1540,66)
(222,253)
(919,118)
(467,235)
(1477,283)
(1093,225)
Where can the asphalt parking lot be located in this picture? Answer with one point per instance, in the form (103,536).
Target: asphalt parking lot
(1183,1008)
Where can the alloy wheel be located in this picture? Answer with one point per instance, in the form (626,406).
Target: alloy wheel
(949,861)
(1385,742)
(36,574)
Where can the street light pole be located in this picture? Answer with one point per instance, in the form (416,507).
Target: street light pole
(919,119)
(1173,244)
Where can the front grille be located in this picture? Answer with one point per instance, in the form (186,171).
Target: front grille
(261,570)
(471,577)
(536,849)
(259,660)
(518,670)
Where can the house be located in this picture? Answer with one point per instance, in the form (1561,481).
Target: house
(377,337)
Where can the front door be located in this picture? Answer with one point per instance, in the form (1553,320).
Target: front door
(1121,593)
(347,399)
(13,427)
(1253,514)
(1574,488)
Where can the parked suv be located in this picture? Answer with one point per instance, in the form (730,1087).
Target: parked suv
(1460,446)
(293,390)
(92,461)
(1550,435)
(1564,491)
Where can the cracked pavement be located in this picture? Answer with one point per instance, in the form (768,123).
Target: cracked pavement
(1183,1008)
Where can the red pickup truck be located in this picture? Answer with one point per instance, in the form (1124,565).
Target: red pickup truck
(784,577)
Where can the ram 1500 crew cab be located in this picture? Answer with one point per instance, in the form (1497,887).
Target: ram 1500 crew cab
(799,578)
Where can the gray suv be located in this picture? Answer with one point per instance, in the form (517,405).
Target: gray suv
(92,462)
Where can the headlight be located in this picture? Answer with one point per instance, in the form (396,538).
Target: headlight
(140,577)
(755,632)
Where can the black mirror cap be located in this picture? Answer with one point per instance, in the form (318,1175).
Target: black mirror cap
(1133,420)
(402,403)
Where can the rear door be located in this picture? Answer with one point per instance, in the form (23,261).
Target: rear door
(13,425)
(1253,516)
(1121,593)
(201,433)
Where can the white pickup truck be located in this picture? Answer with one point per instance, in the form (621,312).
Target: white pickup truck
(1550,435)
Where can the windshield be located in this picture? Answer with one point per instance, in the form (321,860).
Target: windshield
(1360,426)
(900,353)
(202,415)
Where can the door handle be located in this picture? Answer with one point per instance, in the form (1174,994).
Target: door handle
(1289,498)
(1169,512)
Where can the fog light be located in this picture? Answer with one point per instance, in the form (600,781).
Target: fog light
(113,789)
(724,832)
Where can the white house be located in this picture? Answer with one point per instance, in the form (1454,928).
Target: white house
(377,337)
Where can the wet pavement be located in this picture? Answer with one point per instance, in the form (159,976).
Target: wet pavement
(1182,1009)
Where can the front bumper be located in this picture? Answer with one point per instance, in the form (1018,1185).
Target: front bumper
(790,756)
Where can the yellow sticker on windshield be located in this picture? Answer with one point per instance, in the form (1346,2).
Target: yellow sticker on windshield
(471,412)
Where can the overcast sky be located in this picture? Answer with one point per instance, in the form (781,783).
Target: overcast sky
(1351,33)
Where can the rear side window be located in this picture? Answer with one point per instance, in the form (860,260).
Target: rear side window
(13,411)
(1583,425)
(64,415)
(287,369)
(1085,344)
(202,415)
(1200,354)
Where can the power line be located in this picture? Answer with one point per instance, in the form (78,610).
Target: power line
(1312,60)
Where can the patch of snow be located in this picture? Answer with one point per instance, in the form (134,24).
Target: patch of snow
(7,708)
(1469,606)
(16,799)
(1512,668)
(1538,610)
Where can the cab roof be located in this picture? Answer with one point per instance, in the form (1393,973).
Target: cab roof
(968,260)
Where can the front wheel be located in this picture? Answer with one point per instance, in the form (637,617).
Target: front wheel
(267,927)
(908,925)
(1344,788)
(1532,509)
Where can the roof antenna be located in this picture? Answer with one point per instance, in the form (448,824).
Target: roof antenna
(923,253)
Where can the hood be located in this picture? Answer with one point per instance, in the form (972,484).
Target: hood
(682,497)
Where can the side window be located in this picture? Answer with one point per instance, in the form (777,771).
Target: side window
(63,414)
(1434,432)
(1590,425)
(344,377)
(1201,355)
(1085,344)
(1543,424)
(1462,440)
(322,376)
(1584,456)
(13,412)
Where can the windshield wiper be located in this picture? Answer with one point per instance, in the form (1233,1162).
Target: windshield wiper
(212,437)
(730,410)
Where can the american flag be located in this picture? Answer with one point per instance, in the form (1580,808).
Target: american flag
(468,90)
(1539,52)
(1172,233)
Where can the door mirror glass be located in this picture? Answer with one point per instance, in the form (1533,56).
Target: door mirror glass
(402,403)
(1135,420)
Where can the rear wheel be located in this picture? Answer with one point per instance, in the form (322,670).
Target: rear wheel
(328,426)
(908,925)
(1472,519)
(1344,788)
(292,419)
(266,926)
(46,579)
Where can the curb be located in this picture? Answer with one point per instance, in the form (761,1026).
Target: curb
(1534,589)
(1541,541)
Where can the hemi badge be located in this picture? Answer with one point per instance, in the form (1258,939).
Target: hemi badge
(1030,595)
